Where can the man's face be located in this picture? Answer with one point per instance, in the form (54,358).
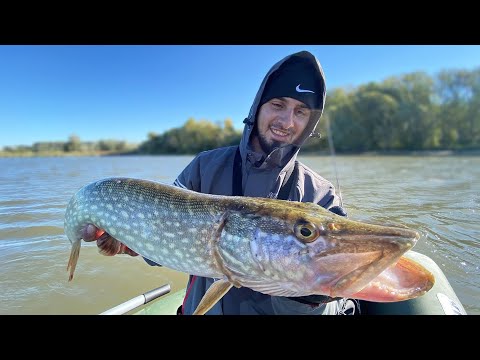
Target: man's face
(280,121)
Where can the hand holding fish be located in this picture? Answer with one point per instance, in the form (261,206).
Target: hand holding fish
(107,245)
(277,247)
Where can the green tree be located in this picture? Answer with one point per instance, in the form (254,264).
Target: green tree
(73,143)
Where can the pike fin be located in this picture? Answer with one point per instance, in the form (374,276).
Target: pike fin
(72,261)
(214,293)
(273,289)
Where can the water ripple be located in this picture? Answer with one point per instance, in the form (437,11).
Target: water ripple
(437,196)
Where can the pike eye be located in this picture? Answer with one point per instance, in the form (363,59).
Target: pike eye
(306,231)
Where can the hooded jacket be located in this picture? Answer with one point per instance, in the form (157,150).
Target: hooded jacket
(262,176)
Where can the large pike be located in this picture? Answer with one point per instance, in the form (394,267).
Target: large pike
(276,247)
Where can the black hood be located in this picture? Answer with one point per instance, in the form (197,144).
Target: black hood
(285,156)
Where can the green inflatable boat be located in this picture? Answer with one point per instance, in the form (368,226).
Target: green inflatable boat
(440,300)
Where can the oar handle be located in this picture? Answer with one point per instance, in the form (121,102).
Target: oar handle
(138,301)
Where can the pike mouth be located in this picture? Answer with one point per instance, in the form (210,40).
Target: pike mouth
(368,267)
(405,279)
(358,259)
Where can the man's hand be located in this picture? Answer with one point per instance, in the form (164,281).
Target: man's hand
(107,245)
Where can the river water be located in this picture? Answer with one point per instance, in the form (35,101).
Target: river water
(439,196)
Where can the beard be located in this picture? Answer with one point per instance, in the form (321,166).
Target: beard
(268,146)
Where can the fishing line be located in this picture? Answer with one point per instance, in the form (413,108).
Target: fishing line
(332,153)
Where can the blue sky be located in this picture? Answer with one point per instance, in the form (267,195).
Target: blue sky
(123,92)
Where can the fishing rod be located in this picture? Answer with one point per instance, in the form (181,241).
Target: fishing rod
(138,301)
(332,152)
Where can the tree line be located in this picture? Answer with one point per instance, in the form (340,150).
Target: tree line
(73,146)
(411,112)
(194,136)
(405,113)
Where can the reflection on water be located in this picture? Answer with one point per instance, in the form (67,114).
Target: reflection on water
(438,196)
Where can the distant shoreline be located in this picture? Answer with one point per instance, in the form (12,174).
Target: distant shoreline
(475,152)
(4,154)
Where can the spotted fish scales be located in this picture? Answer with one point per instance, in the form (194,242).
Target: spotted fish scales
(276,247)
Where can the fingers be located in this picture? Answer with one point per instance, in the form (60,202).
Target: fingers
(126,250)
(110,246)
(107,245)
(90,232)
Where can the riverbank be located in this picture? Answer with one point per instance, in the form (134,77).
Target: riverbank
(475,152)
(8,154)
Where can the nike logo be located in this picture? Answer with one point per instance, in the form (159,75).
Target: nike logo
(301,90)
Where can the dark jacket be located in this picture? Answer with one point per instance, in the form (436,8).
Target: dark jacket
(212,172)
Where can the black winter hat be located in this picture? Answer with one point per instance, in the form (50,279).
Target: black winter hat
(296,78)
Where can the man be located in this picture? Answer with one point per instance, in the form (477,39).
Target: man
(285,112)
